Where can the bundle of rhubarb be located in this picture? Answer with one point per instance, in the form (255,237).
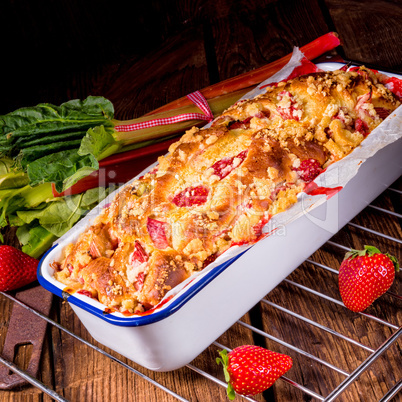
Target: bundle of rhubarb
(46,149)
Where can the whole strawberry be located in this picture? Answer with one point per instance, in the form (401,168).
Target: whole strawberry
(365,275)
(17,269)
(250,369)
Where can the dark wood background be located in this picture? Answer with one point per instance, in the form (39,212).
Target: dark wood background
(144,54)
(141,55)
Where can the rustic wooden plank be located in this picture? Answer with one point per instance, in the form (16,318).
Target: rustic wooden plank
(174,70)
(369,30)
(264,32)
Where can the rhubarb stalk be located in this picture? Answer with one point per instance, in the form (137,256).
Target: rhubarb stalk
(220,96)
(217,105)
(249,79)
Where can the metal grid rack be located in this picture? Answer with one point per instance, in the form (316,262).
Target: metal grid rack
(348,377)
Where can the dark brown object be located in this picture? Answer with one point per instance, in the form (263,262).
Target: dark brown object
(25,328)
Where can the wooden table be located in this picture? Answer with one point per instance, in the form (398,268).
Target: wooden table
(145,55)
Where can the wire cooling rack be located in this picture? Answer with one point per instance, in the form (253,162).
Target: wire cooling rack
(267,306)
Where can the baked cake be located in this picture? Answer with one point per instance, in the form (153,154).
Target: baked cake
(218,186)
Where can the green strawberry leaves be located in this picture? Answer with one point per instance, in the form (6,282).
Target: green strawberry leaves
(370,251)
(394,261)
(224,360)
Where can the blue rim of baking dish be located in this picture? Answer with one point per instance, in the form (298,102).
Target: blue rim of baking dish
(174,305)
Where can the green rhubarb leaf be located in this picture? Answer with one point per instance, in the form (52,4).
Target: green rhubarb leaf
(87,166)
(13,180)
(23,234)
(62,168)
(29,215)
(14,200)
(59,216)
(8,206)
(35,240)
(6,165)
(34,196)
(99,142)
(15,220)
(47,118)
(32,153)
(93,196)
(50,139)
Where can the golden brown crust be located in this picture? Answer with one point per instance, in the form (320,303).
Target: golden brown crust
(219,185)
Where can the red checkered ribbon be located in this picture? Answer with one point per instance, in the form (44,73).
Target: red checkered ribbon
(196,97)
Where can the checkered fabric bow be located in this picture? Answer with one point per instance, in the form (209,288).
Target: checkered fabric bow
(196,97)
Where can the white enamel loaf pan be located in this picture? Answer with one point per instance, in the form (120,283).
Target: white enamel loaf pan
(174,334)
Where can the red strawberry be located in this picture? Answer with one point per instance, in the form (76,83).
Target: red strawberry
(250,369)
(362,127)
(224,166)
(364,276)
(17,269)
(190,196)
(86,293)
(292,110)
(139,255)
(245,124)
(309,169)
(157,231)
